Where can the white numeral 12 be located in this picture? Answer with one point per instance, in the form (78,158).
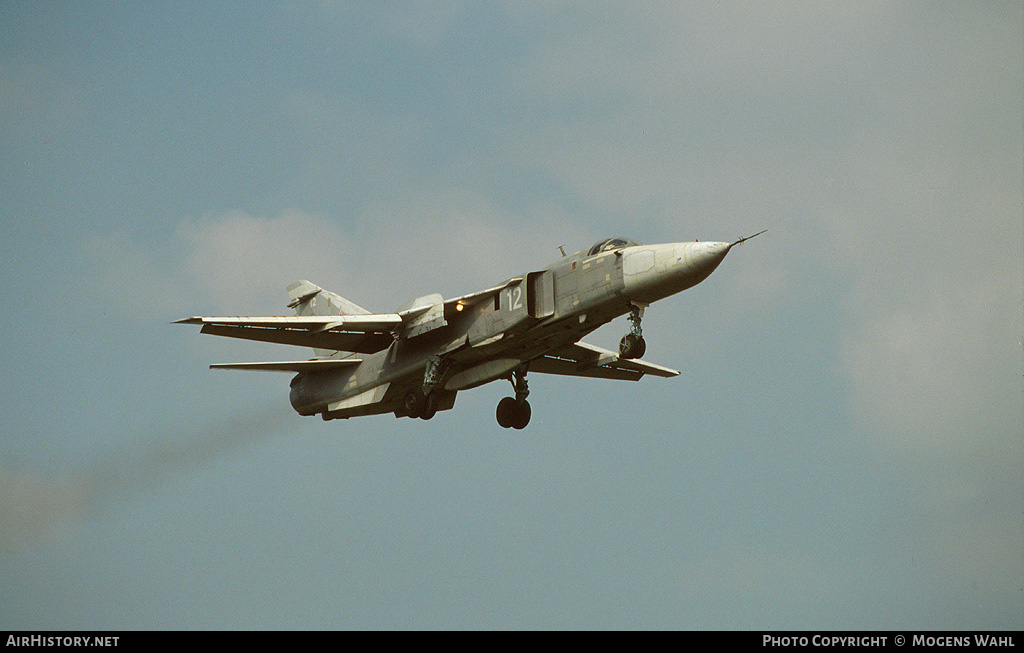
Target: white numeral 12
(515,298)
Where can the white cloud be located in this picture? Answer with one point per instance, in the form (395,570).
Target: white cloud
(441,238)
(435,238)
(244,263)
(229,264)
(125,278)
(932,304)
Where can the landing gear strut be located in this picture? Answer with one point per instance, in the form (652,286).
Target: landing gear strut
(515,412)
(422,403)
(632,344)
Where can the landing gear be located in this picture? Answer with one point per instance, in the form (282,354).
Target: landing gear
(423,402)
(514,412)
(632,344)
(416,404)
(429,406)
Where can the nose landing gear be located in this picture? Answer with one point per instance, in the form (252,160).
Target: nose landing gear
(632,344)
(515,412)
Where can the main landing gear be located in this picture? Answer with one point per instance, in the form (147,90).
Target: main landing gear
(416,404)
(423,402)
(515,412)
(632,344)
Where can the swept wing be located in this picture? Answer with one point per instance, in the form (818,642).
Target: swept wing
(364,334)
(314,365)
(581,359)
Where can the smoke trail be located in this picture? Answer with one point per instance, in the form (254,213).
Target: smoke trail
(34,509)
(37,509)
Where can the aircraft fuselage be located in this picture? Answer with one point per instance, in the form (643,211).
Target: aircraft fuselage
(464,345)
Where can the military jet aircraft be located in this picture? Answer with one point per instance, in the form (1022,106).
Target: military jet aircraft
(414,361)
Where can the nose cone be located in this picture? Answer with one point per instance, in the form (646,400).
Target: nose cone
(652,272)
(703,258)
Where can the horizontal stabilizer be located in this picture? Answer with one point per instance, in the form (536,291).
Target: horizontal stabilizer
(316,365)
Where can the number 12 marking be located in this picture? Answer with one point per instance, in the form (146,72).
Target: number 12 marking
(515,298)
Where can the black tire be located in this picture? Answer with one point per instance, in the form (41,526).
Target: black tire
(632,346)
(414,402)
(521,416)
(506,412)
(641,348)
(429,406)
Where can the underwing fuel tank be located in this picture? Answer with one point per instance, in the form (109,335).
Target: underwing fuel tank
(653,272)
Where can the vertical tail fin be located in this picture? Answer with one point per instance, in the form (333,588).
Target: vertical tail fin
(310,299)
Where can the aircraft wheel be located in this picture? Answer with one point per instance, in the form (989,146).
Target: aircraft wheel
(506,412)
(632,346)
(521,416)
(429,406)
(626,346)
(414,403)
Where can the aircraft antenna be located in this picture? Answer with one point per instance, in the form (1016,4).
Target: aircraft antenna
(561,248)
(748,238)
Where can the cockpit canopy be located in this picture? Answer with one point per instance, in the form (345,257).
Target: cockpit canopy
(610,244)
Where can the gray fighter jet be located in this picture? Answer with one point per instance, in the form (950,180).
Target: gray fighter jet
(414,361)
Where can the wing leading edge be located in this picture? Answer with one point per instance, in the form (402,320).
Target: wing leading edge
(314,365)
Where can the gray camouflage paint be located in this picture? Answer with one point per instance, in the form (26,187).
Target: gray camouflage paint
(524,319)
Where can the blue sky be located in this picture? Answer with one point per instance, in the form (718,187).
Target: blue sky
(842,450)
